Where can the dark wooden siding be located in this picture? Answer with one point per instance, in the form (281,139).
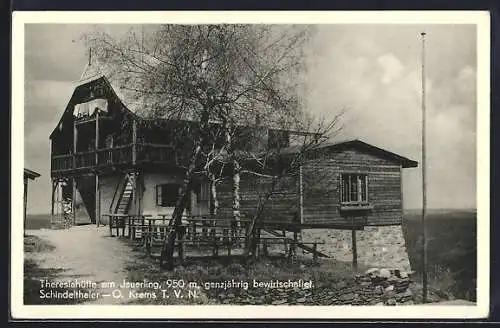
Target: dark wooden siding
(321,178)
(282,206)
(321,198)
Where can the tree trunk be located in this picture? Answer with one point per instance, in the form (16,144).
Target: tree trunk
(214,202)
(251,244)
(236,199)
(251,236)
(167,252)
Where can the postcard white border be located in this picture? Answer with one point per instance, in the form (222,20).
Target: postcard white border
(480,18)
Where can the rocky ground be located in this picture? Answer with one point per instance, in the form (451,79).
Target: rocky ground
(374,287)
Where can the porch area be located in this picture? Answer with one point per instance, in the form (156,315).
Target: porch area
(213,236)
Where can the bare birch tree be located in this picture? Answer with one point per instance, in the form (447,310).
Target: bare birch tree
(277,163)
(203,73)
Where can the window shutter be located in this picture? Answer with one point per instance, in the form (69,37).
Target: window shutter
(341,187)
(359,182)
(158,195)
(366,187)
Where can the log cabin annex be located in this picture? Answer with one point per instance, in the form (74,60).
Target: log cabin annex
(107,159)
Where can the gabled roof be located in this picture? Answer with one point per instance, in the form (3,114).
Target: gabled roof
(93,74)
(31,174)
(94,78)
(359,144)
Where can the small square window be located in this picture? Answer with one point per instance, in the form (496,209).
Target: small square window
(167,194)
(354,188)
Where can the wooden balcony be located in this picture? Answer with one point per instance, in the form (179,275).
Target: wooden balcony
(115,156)
(156,153)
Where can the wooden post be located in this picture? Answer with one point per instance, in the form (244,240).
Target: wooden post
(301,196)
(294,244)
(284,240)
(134,194)
(96,146)
(97,199)
(25,201)
(354,250)
(149,238)
(225,234)
(401,192)
(315,253)
(111,151)
(134,142)
(193,232)
(117,226)
(143,223)
(203,230)
(180,250)
(255,244)
(123,221)
(139,193)
(111,226)
(133,224)
(265,250)
(129,223)
(52,208)
(216,248)
(97,195)
(292,252)
(73,200)
(75,134)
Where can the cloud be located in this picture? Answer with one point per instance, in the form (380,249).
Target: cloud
(392,67)
(380,83)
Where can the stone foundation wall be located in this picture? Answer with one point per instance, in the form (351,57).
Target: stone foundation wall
(382,247)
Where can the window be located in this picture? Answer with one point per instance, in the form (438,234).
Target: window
(354,188)
(167,194)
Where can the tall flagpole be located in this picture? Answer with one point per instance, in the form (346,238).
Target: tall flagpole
(424,182)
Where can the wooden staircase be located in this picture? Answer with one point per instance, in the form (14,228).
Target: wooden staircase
(125,195)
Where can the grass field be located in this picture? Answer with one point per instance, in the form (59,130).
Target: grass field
(451,249)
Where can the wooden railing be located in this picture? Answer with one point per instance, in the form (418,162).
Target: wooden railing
(115,155)
(85,159)
(146,153)
(155,153)
(62,162)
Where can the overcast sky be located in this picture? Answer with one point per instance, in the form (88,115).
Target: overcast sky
(371,71)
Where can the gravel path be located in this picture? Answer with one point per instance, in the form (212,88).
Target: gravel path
(86,253)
